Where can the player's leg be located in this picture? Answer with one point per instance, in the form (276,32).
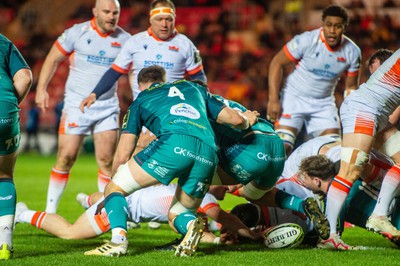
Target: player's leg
(122,184)
(55,224)
(105,144)
(182,218)
(7,204)
(379,221)
(68,150)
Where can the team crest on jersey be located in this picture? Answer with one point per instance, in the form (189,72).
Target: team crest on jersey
(126,118)
(341,59)
(116,44)
(102,52)
(173,48)
(158,56)
(186,110)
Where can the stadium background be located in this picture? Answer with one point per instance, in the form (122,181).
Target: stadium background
(236,38)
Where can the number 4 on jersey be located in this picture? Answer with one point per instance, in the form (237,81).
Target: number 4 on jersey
(174,92)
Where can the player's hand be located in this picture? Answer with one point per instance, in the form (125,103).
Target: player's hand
(274,110)
(252,116)
(42,100)
(145,138)
(91,99)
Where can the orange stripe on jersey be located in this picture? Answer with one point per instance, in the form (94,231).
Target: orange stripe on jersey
(61,49)
(288,54)
(119,69)
(102,221)
(352,74)
(196,70)
(150,32)
(94,26)
(322,36)
(392,76)
(364,125)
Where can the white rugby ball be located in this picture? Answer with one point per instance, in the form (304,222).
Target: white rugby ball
(287,235)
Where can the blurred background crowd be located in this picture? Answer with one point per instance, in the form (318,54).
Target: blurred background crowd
(236,38)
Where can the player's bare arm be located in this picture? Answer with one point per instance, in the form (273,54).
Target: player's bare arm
(125,148)
(46,74)
(275,74)
(22,83)
(351,84)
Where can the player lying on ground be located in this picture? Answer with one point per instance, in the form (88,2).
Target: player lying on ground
(315,174)
(149,204)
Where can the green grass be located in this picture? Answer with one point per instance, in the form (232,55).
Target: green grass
(35,247)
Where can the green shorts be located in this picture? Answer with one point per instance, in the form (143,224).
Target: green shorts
(181,156)
(10,134)
(257,157)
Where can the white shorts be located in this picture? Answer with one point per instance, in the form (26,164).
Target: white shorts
(316,114)
(357,117)
(101,116)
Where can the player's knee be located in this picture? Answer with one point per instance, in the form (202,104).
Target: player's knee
(123,178)
(287,136)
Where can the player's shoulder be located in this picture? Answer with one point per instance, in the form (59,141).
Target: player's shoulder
(80,27)
(351,45)
(122,32)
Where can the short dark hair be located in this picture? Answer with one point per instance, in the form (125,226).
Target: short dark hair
(152,74)
(155,3)
(248,213)
(336,11)
(318,166)
(381,54)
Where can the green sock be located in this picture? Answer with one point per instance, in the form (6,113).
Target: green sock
(182,220)
(117,210)
(8,196)
(285,200)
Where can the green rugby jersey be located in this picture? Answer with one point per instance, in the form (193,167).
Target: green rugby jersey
(225,135)
(182,107)
(10,62)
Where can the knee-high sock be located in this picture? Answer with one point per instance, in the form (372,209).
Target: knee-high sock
(102,180)
(117,211)
(389,189)
(285,200)
(7,210)
(57,184)
(181,222)
(337,194)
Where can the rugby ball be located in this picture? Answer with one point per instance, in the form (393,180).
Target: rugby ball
(287,235)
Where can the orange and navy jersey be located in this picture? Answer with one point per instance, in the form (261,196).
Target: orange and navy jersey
(318,66)
(177,55)
(91,54)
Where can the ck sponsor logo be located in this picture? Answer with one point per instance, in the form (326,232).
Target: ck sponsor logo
(185,153)
(186,110)
(268,158)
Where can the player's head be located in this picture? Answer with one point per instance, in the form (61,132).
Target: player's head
(316,172)
(248,213)
(334,21)
(149,75)
(162,18)
(377,59)
(106,13)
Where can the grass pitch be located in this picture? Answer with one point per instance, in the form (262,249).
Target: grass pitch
(35,247)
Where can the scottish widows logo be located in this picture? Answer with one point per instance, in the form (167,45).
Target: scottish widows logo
(186,110)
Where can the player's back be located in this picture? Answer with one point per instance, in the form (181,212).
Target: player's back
(181,107)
